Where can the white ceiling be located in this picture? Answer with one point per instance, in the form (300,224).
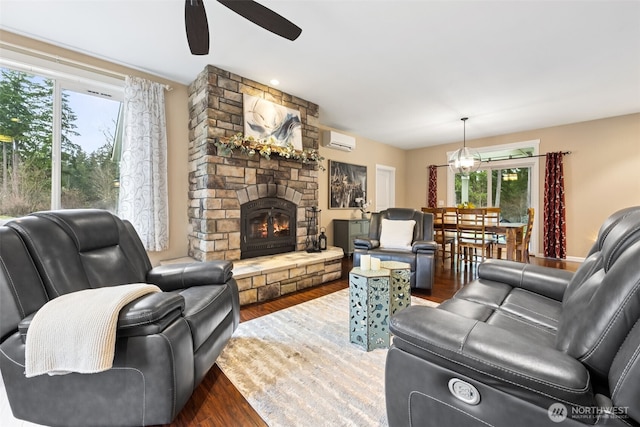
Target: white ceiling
(399,72)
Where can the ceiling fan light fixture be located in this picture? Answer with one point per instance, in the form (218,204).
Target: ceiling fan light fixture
(465,160)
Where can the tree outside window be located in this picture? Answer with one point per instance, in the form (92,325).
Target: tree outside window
(88,170)
(508,189)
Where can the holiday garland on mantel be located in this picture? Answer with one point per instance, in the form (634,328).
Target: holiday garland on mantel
(266,148)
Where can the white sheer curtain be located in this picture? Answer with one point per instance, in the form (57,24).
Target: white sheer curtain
(143,196)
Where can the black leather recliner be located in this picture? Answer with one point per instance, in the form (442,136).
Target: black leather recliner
(527,345)
(421,253)
(166,342)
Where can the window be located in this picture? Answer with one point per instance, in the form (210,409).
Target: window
(89,169)
(508,181)
(25,128)
(58,131)
(509,190)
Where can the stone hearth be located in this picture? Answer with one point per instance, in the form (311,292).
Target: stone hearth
(264,278)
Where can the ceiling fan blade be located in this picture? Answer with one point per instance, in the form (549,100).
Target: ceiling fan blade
(264,17)
(197,27)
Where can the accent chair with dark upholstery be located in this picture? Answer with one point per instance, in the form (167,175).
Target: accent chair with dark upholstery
(166,342)
(527,345)
(404,235)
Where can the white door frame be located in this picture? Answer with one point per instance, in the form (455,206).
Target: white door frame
(389,190)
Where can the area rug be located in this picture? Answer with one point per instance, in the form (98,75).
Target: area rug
(296,367)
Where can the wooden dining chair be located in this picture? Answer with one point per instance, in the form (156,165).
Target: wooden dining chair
(472,235)
(522,244)
(492,217)
(450,220)
(440,234)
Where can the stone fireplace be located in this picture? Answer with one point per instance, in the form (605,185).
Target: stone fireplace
(222,188)
(274,193)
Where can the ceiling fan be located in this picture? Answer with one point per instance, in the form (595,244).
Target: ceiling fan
(197,26)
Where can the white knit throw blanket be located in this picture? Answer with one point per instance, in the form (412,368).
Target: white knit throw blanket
(76,332)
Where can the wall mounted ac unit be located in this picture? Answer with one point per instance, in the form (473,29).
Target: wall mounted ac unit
(338,141)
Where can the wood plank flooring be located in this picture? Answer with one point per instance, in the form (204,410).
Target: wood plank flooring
(216,402)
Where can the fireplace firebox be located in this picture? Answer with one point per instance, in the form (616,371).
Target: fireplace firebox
(268,227)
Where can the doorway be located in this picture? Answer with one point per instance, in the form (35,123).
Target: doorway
(385,187)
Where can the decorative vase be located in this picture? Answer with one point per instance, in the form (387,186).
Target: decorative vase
(322,240)
(365,215)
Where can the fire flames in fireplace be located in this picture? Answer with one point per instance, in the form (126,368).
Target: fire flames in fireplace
(276,222)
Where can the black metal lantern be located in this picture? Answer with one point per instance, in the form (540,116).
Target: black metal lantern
(322,240)
(311,215)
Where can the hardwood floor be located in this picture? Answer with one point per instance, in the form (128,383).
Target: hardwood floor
(216,402)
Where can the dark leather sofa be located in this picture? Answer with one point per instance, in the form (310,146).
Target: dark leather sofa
(525,345)
(166,342)
(421,253)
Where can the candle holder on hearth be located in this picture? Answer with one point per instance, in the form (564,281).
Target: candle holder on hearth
(311,215)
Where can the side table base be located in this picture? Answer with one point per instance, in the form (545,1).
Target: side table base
(369,308)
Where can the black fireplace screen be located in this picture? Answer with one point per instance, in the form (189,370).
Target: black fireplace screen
(268,227)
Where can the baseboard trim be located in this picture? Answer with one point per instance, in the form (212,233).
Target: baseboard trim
(569,258)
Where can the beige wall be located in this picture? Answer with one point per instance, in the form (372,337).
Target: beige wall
(602,173)
(367,153)
(177,137)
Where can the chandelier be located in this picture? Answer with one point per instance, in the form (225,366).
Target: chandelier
(465,160)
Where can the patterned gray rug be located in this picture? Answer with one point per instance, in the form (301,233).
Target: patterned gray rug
(296,367)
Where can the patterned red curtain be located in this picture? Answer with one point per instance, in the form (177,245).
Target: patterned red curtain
(432,197)
(555,229)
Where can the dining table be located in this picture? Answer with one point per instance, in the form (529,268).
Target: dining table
(513,232)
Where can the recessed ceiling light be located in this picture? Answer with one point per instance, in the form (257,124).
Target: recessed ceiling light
(275,82)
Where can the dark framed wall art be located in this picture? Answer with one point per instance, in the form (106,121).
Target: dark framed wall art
(347,185)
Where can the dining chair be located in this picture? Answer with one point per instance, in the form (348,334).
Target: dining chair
(492,218)
(522,245)
(450,220)
(442,237)
(472,234)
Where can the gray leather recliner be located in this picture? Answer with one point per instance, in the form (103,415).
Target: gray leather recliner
(527,345)
(423,247)
(166,342)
